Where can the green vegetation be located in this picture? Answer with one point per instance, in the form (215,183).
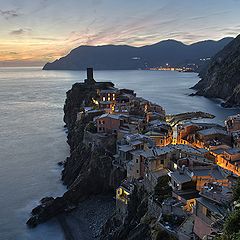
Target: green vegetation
(232,224)
(162,190)
(91,127)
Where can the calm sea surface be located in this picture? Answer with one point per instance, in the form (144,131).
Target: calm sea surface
(32,138)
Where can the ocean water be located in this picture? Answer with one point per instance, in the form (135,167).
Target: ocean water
(33,140)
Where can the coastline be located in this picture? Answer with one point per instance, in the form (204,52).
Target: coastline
(85,222)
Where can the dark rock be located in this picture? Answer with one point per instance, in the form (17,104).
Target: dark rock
(222,77)
(86,171)
(61,163)
(32,222)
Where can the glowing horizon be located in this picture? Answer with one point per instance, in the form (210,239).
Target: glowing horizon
(36,32)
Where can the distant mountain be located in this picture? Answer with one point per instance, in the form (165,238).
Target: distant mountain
(222,77)
(123,57)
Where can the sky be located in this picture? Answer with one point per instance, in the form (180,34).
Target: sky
(33,32)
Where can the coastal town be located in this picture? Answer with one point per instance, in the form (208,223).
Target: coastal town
(198,162)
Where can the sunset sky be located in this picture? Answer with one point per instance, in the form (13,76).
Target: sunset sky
(33,32)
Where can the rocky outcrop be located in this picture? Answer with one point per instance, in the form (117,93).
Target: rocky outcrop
(222,77)
(87,171)
(139,224)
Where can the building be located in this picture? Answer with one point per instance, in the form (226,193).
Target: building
(232,123)
(229,159)
(185,132)
(123,194)
(127,148)
(236,139)
(160,132)
(108,99)
(90,80)
(211,209)
(211,137)
(110,123)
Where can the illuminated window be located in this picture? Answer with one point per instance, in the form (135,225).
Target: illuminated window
(104,99)
(109,98)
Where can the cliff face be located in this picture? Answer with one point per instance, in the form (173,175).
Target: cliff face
(222,77)
(140,223)
(87,171)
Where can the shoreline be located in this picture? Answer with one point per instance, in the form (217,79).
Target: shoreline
(85,223)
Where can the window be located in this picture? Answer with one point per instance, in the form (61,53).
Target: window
(104,99)
(136,160)
(162,161)
(137,171)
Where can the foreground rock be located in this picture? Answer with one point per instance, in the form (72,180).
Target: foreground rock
(222,78)
(87,171)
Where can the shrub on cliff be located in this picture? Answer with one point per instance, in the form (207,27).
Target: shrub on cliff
(162,190)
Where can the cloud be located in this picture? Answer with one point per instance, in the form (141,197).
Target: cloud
(7,14)
(20,31)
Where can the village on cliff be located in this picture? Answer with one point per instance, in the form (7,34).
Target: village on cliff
(188,168)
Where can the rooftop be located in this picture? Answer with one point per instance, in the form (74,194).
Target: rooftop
(111,90)
(233,151)
(113,116)
(125,148)
(157,151)
(217,193)
(180,177)
(217,209)
(212,131)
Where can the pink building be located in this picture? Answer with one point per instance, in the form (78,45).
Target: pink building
(110,123)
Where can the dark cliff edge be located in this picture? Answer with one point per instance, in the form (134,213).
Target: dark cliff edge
(123,57)
(87,171)
(222,77)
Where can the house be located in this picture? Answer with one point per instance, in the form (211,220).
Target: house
(232,123)
(187,182)
(160,132)
(229,159)
(149,163)
(156,163)
(107,99)
(211,209)
(123,193)
(127,146)
(202,135)
(110,123)
(211,136)
(236,139)
(185,131)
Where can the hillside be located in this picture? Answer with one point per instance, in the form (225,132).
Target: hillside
(222,78)
(123,57)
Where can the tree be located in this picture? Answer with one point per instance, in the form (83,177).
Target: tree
(162,189)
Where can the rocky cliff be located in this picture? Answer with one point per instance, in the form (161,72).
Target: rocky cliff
(87,171)
(222,77)
(140,223)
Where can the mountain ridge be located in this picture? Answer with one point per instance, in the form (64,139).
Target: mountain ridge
(125,57)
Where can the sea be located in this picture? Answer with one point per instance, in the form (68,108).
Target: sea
(33,138)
